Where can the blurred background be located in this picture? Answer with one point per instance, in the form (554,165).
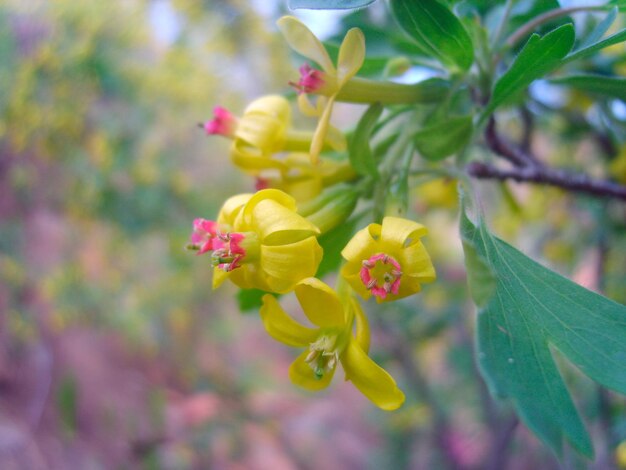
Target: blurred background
(114,351)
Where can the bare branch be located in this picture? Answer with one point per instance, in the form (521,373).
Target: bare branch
(576,182)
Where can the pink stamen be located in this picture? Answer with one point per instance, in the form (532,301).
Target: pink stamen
(228,252)
(204,235)
(310,81)
(391,275)
(223,123)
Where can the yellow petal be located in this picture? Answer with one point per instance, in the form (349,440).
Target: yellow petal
(320,303)
(277,225)
(362,245)
(372,380)
(219,276)
(302,375)
(231,208)
(362,331)
(282,327)
(303,41)
(408,286)
(306,107)
(416,262)
(396,231)
(321,131)
(350,271)
(251,159)
(351,56)
(288,264)
(276,106)
(263,132)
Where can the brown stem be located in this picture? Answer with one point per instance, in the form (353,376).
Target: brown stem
(576,182)
(550,15)
(505,149)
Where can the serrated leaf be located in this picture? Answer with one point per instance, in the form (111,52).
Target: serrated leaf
(436,30)
(329,4)
(537,58)
(445,138)
(359,151)
(612,87)
(531,310)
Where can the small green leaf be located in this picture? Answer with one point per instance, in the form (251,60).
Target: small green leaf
(539,56)
(613,87)
(597,33)
(444,138)
(329,4)
(587,50)
(436,31)
(359,150)
(531,309)
(250,299)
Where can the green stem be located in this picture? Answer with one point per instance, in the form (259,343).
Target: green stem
(362,90)
(505,17)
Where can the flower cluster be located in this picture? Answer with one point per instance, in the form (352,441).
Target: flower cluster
(307,188)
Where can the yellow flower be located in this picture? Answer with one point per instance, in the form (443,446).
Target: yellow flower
(330,342)
(259,241)
(388,261)
(304,180)
(264,130)
(326,83)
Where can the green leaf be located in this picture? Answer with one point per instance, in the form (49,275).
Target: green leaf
(613,87)
(249,299)
(528,310)
(436,30)
(329,4)
(597,33)
(445,138)
(539,56)
(332,243)
(587,50)
(359,151)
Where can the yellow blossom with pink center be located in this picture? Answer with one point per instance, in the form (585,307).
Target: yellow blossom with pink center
(259,241)
(388,261)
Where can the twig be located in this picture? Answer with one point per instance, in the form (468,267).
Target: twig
(529,27)
(576,182)
(505,149)
(527,129)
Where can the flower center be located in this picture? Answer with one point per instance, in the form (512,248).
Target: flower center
(323,355)
(381,275)
(311,80)
(229,249)
(223,123)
